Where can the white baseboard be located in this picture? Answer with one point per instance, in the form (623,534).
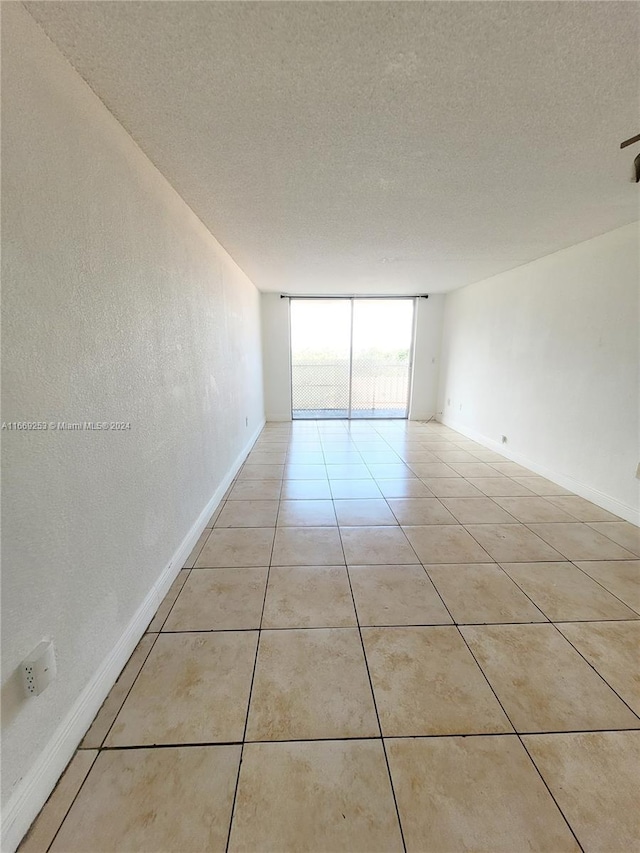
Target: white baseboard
(601,499)
(39,781)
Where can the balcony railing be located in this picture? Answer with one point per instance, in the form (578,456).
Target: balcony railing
(376,387)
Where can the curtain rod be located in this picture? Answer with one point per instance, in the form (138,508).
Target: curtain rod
(354,296)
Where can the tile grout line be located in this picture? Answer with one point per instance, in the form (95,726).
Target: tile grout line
(572,621)
(504,711)
(517,585)
(100,748)
(566,558)
(373,699)
(463,624)
(600,676)
(584,572)
(551,622)
(253,675)
(56,833)
(386,499)
(513,734)
(617,619)
(104,739)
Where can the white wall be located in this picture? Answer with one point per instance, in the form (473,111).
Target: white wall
(426,361)
(118,305)
(547,354)
(276,354)
(277,357)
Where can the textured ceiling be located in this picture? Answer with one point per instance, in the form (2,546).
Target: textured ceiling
(374,147)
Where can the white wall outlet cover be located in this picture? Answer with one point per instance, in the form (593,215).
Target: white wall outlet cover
(39,669)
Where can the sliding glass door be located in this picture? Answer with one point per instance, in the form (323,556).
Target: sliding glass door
(320,357)
(381,357)
(351,358)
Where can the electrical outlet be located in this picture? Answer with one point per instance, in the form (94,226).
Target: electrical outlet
(448,401)
(503,439)
(29,679)
(39,669)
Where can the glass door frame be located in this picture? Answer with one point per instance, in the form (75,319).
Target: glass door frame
(352,299)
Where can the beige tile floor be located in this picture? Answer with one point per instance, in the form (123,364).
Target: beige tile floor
(388,637)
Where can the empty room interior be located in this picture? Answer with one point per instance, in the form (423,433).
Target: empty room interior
(320,426)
